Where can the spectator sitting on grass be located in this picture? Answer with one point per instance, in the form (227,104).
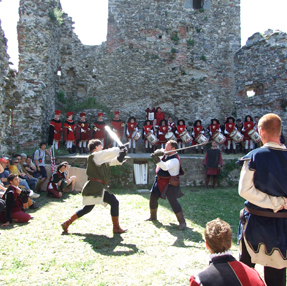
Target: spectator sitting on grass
(30,176)
(30,167)
(4,173)
(14,170)
(60,181)
(224,269)
(15,199)
(32,182)
(39,159)
(2,187)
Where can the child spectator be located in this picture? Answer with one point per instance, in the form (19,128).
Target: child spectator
(223,268)
(60,181)
(15,199)
(213,163)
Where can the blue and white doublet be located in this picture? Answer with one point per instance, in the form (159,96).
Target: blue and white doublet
(263,183)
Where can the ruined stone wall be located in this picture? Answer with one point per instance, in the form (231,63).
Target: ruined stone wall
(261,67)
(4,68)
(38,38)
(158,53)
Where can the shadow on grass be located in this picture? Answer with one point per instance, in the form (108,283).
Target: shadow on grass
(182,236)
(107,245)
(44,199)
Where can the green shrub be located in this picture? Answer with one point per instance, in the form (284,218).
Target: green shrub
(174,37)
(61,96)
(190,42)
(203,58)
(56,15)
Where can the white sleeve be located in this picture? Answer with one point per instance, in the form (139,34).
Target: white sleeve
(247,190)
(106,156)
(172,166)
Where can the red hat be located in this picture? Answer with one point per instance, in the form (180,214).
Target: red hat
(82,114)
(117,112)
(57,112)
(3,160)
(100,114)
(69,113)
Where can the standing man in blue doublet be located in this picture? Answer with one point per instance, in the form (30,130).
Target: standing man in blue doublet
(263,183)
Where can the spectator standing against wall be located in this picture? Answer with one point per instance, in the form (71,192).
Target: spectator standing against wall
(213,163)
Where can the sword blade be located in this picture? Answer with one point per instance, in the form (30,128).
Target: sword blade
(113,135)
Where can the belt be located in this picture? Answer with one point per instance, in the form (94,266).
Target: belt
(99,181)
(266,214)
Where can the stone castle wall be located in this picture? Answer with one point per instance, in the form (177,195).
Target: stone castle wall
(4,69)
(261,67)
(157,53)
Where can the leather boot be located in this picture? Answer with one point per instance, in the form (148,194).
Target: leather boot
(116,225)
(153,215)
(66,224)
(206,182)
(81,150)
(134,150)
(181,220)
(214,183)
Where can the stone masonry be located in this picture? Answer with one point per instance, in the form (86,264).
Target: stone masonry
(261,66)
(158,53)
(4,68)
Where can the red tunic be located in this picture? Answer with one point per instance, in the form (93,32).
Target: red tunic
(213,129)
(117,125)
(131,128)
(229,127)
(82,136)
(100,132)
(248,126)
(164,130)
(159,117)
(57,125)
(171,126)
(69,130)
(147,129)
(180,129)
(197,130)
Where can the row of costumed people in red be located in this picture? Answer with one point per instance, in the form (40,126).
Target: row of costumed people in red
(156,131)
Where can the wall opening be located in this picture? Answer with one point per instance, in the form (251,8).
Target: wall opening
(254,88)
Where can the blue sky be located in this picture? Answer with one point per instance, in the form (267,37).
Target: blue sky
(90,17)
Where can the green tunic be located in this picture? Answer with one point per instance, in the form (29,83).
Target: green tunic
(98,167)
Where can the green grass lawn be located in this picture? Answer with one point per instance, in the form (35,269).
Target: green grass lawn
(150,253)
